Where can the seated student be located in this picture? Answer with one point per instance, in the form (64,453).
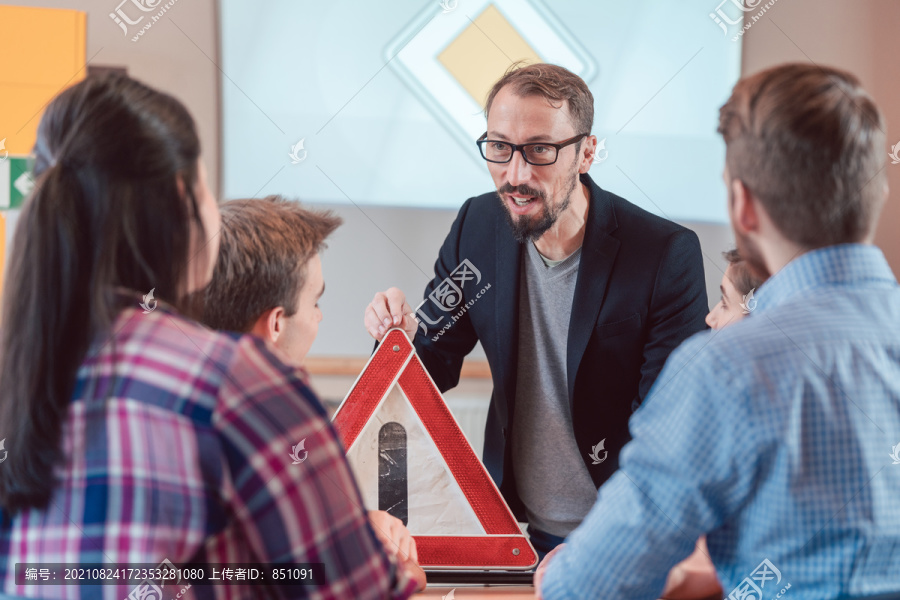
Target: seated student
(772,436)
(695,577)
(268,281)
(268,276)
(134,434)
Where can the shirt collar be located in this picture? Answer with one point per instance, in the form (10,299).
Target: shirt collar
(845,265)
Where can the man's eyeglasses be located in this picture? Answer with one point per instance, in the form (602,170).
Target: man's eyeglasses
(538,153)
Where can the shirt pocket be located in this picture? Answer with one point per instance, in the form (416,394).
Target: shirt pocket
(626,325)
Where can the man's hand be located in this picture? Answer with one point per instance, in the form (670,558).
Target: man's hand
(398,542)
(389,309)
(539,572)
(694,577)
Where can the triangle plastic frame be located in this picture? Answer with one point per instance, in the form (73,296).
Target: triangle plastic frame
(395,363)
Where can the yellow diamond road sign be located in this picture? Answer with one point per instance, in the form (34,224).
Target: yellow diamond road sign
(484,49)
(451,59)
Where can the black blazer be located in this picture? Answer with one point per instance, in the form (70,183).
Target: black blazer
(640,292)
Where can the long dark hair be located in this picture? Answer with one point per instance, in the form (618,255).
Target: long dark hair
(106,214)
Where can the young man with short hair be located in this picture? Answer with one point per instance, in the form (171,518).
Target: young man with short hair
(268,278)
(773,436)
(267,282)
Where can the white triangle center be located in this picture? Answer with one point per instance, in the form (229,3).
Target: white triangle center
(437,505)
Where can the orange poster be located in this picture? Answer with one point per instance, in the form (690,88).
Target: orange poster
(44,52)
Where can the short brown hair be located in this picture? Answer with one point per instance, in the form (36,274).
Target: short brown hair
(743,279)
(808,142)
(557,85)
(264,248)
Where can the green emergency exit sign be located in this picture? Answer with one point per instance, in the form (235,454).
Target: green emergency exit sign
(16,182)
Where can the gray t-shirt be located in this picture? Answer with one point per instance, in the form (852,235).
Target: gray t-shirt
(551,477)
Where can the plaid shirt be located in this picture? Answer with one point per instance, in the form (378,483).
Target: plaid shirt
(190,460)
(778,436)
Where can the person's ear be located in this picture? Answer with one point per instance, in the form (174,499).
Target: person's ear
(181,186)
(270,324)
(744,208)
(588,151)
(276,322)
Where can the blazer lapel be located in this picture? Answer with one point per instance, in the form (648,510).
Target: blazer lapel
(506,306)
(598,253)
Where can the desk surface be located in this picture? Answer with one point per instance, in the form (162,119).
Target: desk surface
(473,592)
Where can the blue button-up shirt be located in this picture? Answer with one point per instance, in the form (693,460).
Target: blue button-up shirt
(778,437)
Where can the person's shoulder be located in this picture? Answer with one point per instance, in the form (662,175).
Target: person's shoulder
(633,219)
(478,219)
(696,356)
(740,350)
(174,340)
(207,365)
(746,372)
(647,241)
(175,361)
(256,373)
(483,206)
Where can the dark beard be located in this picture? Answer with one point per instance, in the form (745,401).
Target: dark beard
(749,251)
(525,229)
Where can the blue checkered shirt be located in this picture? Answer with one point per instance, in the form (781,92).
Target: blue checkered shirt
(778,437)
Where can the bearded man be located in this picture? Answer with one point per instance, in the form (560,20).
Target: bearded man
(576,295)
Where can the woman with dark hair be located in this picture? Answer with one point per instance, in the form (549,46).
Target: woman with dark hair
(135,435)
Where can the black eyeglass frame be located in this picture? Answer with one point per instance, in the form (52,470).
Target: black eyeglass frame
(521,148)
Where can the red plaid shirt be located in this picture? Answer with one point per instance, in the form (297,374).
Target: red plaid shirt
(190,459)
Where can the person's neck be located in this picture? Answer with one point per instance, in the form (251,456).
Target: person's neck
(778,258)
(567,234)
(777,252)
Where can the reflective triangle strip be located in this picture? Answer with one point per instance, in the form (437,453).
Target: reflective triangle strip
(395,363)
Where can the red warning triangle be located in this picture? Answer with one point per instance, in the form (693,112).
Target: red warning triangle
(394,380)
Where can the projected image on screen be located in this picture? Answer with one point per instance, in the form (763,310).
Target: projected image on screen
(381,103)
